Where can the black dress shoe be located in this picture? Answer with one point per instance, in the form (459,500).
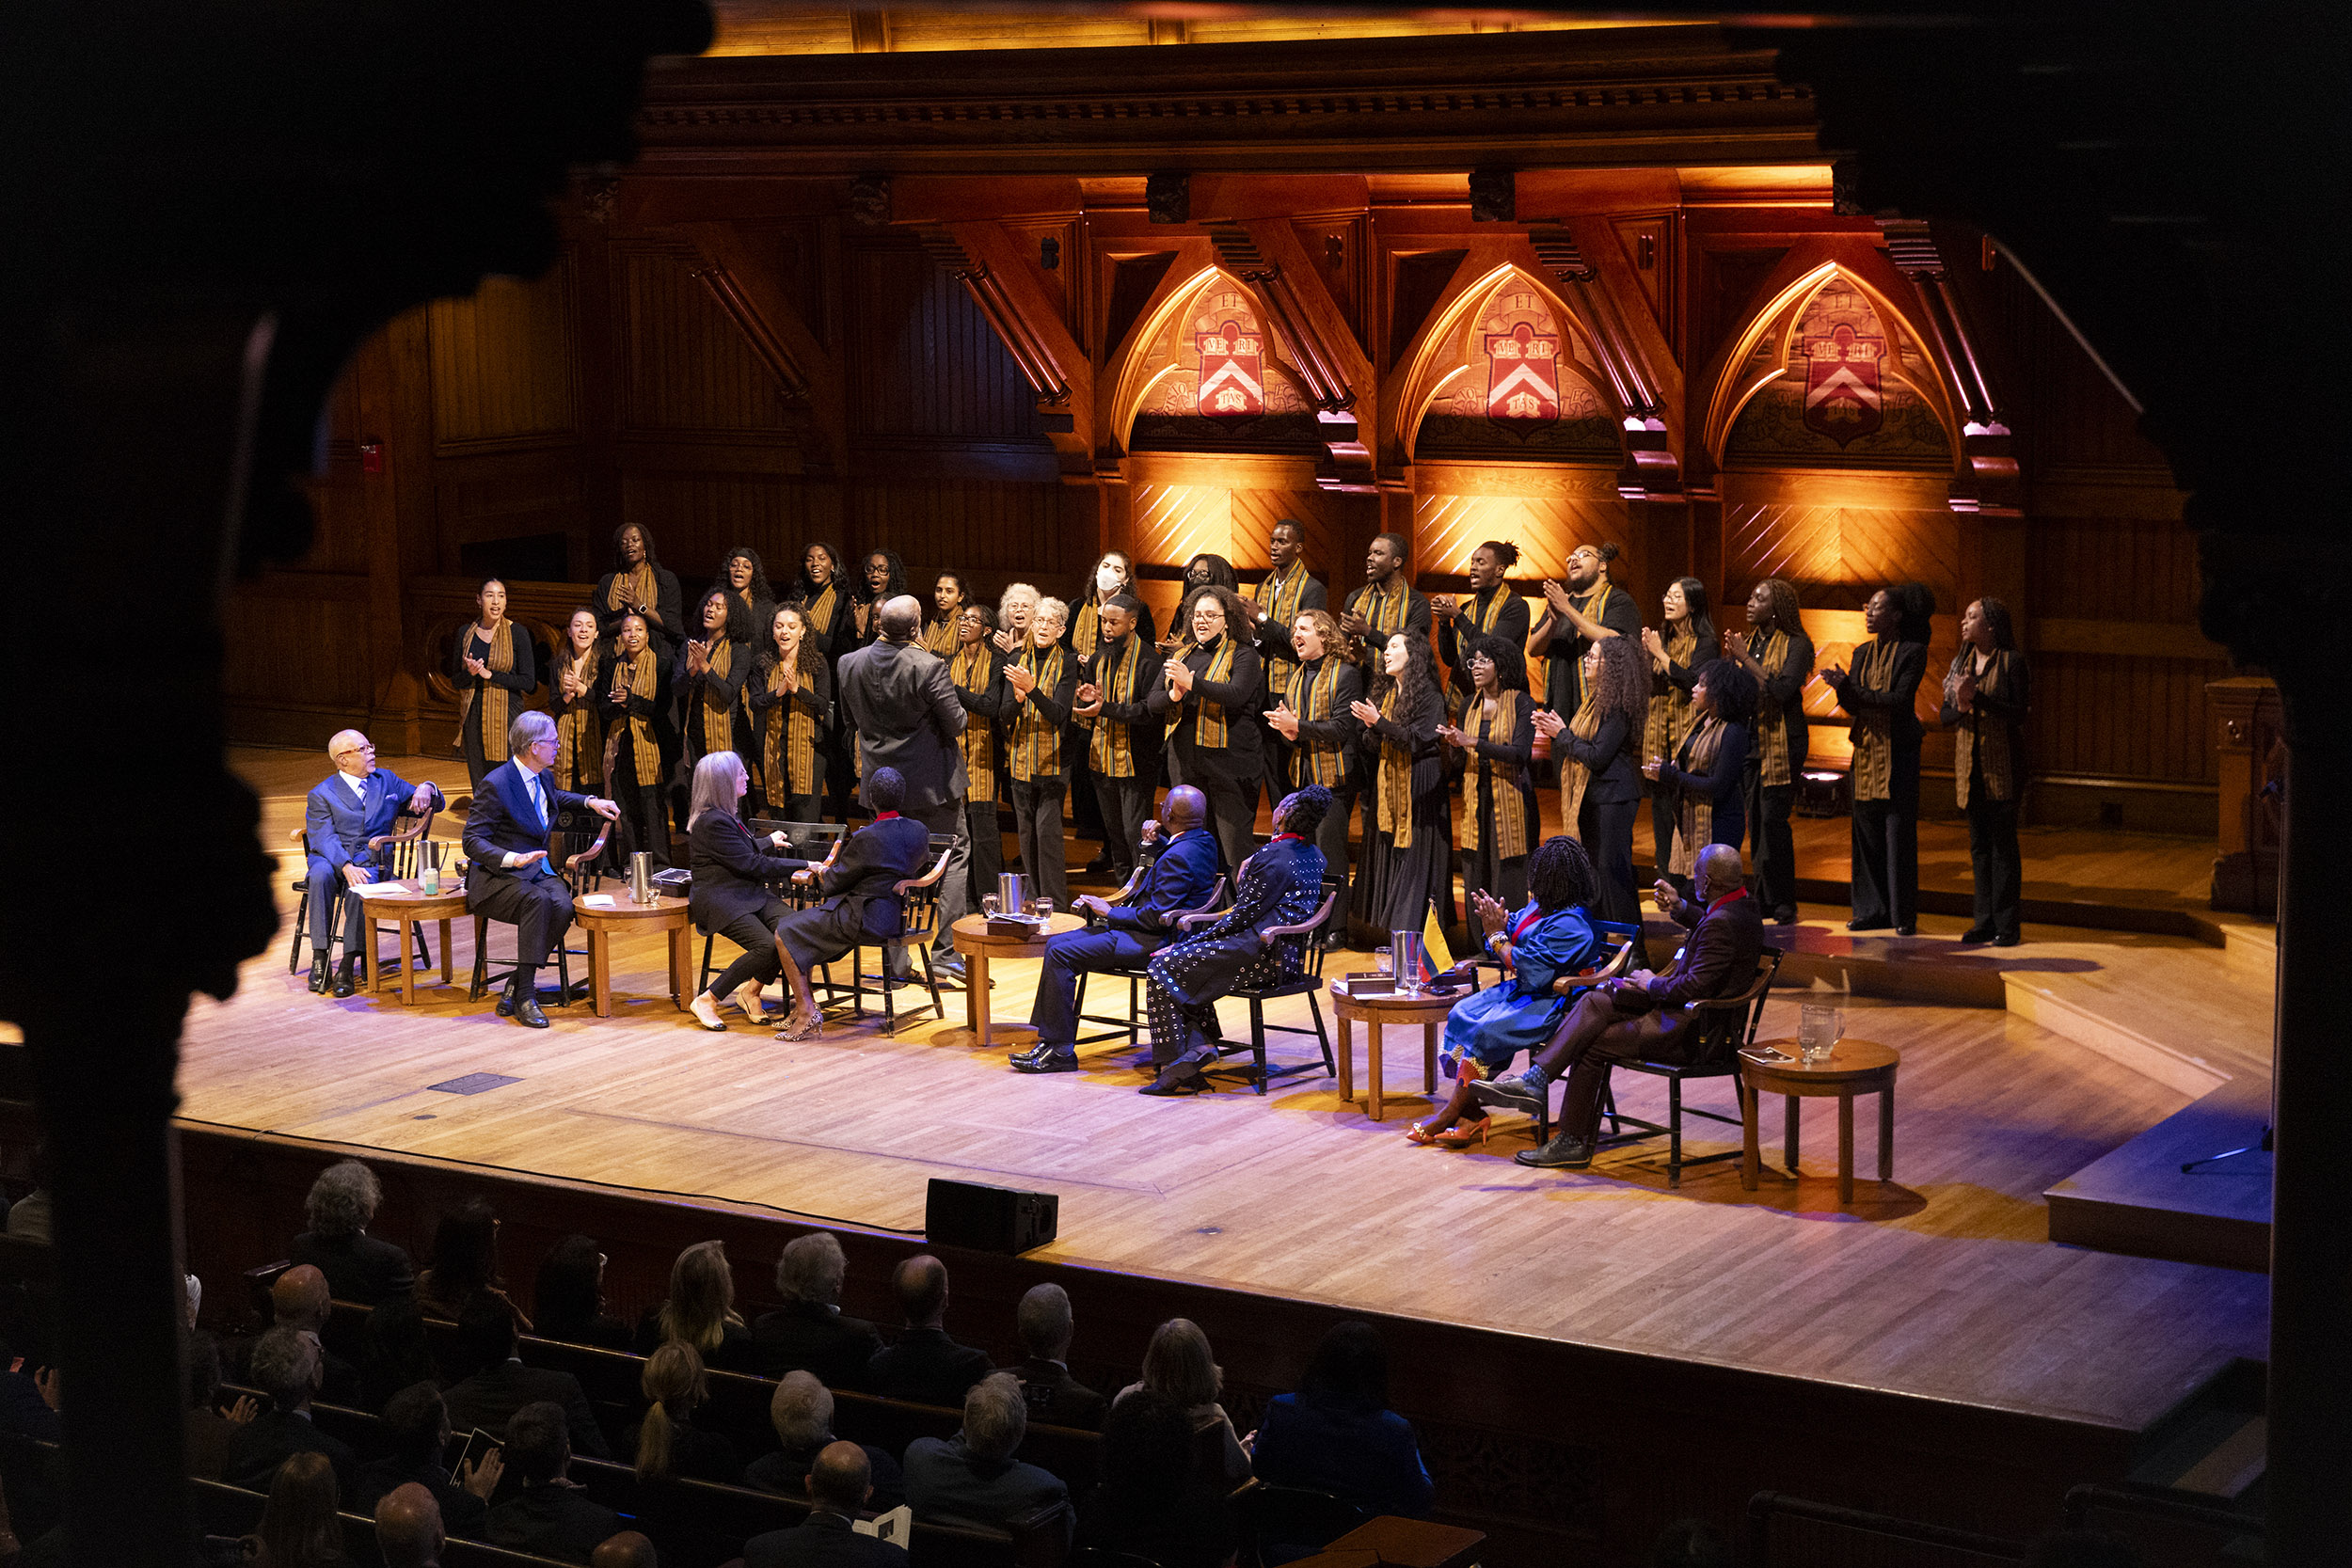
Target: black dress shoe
(2008,938)
(1179,1077)
(1868,924)
(1785,916)
(1906,931)
(322,975)
(1975,936)
(526,1011)
(345,982)
(1565,1153)
(1044,1058)
(507,1003)
(1099,865)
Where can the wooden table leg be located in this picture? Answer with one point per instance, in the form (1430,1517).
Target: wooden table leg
(1347,1059)
(1791,1155)
(375,969)
(1372,1068)
(407,964)
(600,967)
(975,994)
(1844,1147)
(1750,1161)
(446,971)
(680,962)
(1429,1059)
(1886,1131)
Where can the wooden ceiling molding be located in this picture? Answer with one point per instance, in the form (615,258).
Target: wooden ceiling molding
(757,295)
(986,259)
(1267,256)
(1648,401)
(1987,481)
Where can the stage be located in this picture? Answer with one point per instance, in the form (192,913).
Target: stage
(1942,1285)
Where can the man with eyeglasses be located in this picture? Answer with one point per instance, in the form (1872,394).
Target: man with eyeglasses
(509,874)
(361,802)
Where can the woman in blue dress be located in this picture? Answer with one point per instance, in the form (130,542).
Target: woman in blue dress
(1543,947)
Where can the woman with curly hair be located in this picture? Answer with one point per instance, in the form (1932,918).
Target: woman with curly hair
(824,599)
(1779,654)
(885,579)
(1881,694)
(1702,777)
(1496,736)
(1675,656)
(1205,698)
(1411,850)
(1600,763)
(789,696)
(712,665)
(1541,947)
(742,574)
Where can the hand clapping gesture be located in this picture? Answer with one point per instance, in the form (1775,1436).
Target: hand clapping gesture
(1964,691)
(1179,679)
(1454,734)
(1364,712)
(1283,722)
(1656,646)
(1352,626)
(697,658)
(475,668)
(1649,769)
(1557,598)
(1020,680)
(1088,701)
(1150,833)
(1491,915)
(1548,724)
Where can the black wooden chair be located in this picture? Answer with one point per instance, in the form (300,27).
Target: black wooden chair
(570,827)
(804,836)
(918,924)
(1307,982)
(397,856)
(1135,975)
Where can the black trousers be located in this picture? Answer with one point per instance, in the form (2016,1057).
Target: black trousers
(1232,808)
(1482,870)
(644,818)
(470,742)
(1662,810)
(1772,844)
(798,808)
(1606,831)
(955,882)
(539,908)
(1124,804)
(1277,760)
(1085,803)
(1036,814)
(1331,838)
(987,859)
(1600,1034)
(754,932)
(1886,851)
(1992,856)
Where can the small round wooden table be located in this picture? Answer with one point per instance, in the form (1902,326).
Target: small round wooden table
(978,948)
(1854,1067)
(403,903)
(601,920)
(1374,1012)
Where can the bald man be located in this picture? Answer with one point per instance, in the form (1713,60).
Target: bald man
(628,1549)
(1642,1017)
(409,1527)
(1124,936)
(361,802)
(298,1300)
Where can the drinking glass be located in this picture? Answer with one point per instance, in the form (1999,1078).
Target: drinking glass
(1817,1031)
(1044,908)
(987,903)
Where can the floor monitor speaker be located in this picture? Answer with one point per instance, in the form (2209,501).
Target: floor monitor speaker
(992,1219)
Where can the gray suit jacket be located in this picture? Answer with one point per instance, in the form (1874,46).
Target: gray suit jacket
(907,715)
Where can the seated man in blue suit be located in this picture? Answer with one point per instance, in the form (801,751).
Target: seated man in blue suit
(1187,867)
(361,802)
(507,873)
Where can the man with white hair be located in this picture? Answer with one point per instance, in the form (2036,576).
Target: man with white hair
(972,1477)
(508,876)
(361,802)
(809,1332)
(801,1410)
(358,1267)
(1043,679)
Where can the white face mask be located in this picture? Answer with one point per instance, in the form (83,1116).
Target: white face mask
(1108,579)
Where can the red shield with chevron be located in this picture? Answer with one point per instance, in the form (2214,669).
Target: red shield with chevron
(1233,376)
(1523,376)
(1842,397)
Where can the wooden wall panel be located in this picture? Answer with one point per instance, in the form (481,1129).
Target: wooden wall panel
(1838,556)
(1256,512)
(698,515)
(504,364)
(992,532)
(685,366)
(922,358)
(1172,523)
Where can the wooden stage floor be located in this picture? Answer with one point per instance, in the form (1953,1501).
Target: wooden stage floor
(1943,1284)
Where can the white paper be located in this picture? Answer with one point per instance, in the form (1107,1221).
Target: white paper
(891,1527)
(597,900)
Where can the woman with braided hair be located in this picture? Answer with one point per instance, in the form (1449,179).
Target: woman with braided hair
(1675,656)
(1881,694)
(490,664)
(789,696)
(1702,777)
(1985,697)
(1779,655)
(1497,739)
(1600,767)
(1410,847)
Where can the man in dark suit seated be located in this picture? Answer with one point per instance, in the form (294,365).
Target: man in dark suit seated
(838,1486)
(500,1385)
(1188,863)
(358,1267)
(361,802)
(972,1478)
(508,876)
(416,1422)
(802,1413)
(861,898)
(285,1366)
(408,1529)
(549,1515)
(298,1300)
(924,1366)
(1642,1017)
(809,1332)
(1053,1397)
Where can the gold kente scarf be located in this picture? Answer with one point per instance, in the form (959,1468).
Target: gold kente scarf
(1510,807)
(1770,651)
(1085,632)
(1574,776)
(644,684)
(1036,741)
(973,670)
(1278,598)
(1383,611)
(492,696)
(1873,730)
(939,638)
(1694,814)
(1670,716)
(1111,754)
(1210,728)
(820,612)
(718,722)
(634,586)
(1322,761)
(578,733)
(787,751)
(1981,732)
(1394,782)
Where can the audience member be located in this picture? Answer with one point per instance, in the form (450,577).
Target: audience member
(810,1332)
(498,1384)
(30,1399)
(394,1353)
(924,1365)
(204,1431)
(1055,1398)
(29,1216)
(973,1477)
(1151,1504)
(408,1529)
(700,1312)
(298,1527)
(285,1366)
(569,1296)
(801,1410)
(1337,1434)
(668,1443)
(1178,1364)
(1690,1544)
(547,1514)
(839,1486)
(416,1423)
(465,1263)
(358,1267)
(298,1300)
(628,1549)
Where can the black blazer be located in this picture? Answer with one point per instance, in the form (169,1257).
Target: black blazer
(1610,755)
(488,1400)
(810,1336)
(462,1512)
(825,1541)
(873,862)
(1237,761)
(1057,1399)
(274,1436)
(1719,959)
(1511,624)
(1274,641)
(553,1521)
(732,870)
(1722,786)
(927,1368)
(1787,689)
(1415,728)
(666,605)
(899,698)
(358,1267)
(503,822)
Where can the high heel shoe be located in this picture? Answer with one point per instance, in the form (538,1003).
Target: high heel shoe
(1464,1135)
(800,1027)
(747,997)
(1420,1135)
(707,1013)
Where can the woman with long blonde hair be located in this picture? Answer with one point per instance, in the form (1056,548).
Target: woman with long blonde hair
(700,1311)
(669,1446)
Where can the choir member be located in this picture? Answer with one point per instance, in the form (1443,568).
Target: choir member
(638,584)
(745,575)
(573,698)
(884,578)
(710,673)
(1675,656)
(490,664)
(1013,608)
(1384,606)
(1600,767)
(637,696)
(1493,609)
(1277,598)
(1588,610)
(1123,742)
(1315,716)
(1113,574)
(731,894)
(1042,681)
(1210,571)
(948,597)
(1879,695)
(1985,698)
(1496,736)
(978,673)
(1210,731)
(1705,777)
(791,699)
(1410,847)
(826,599)
(1779,654)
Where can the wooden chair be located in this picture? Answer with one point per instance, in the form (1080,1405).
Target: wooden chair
(1292,1521)
(396,855)
(804,836)
(918,923)
(1135,975)
(1307,982)
(573,864)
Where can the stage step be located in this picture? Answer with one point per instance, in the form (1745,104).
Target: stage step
(2210,1448)
(2138,1200)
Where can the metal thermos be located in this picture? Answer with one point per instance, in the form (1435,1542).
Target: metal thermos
(640,877)
(429,867)
(1012,893)
(1405,952)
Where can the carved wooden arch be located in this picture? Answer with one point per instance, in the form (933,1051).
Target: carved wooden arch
(1126,379)
(1415,382)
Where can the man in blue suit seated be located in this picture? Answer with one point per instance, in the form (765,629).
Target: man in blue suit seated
(508,876)
(973,1479)
(361,802)
(1188,866)
(1280,887)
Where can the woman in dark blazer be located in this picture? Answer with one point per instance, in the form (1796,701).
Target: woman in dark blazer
(1411,851)
(1880,694)
(1496,736)
(1600,766)
(1207,698)
(1337,1434)
(1986,693)
(1703,779)
(709,675)
(731,894)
